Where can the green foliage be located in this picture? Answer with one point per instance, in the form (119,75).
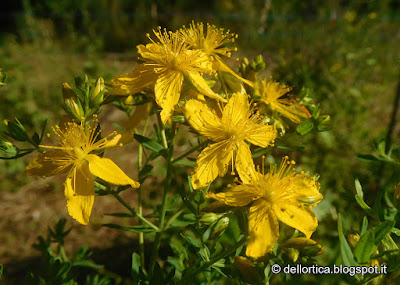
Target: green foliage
(338,59)
(58,267)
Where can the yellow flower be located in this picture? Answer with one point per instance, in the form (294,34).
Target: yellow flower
(229,131)
(281,195)
(166,64)
(271,94)
(73,155)
(214,44)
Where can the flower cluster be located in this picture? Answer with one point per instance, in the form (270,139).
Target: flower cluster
(186,73)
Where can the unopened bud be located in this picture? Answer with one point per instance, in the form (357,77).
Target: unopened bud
(233,83)
(97,94)
(293,254)
(5,144)
(259,59)
(16,130)
(353,239)
(73,109)
(209,218)
(68,92)
(179,119)
(311,200)
(305,246)
(324,119)
(129,100)
(219,228)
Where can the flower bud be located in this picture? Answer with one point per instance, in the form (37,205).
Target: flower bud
(232,83)
(129,100)
(5,144)
(305,246)
(68,92)
(293,254)
(219,228)
(16,130)
(209,218)
(311,200)
(179,119)
(97,94)
(73,108)
(353,239)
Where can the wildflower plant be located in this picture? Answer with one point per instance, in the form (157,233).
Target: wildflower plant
(222,211)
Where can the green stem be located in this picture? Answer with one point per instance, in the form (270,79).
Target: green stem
(62,253)
(163,136)
(134,213)
(190,151)
(206,265)
(140,204)
(167,185)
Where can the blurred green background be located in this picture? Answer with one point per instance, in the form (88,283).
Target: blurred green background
(345,52)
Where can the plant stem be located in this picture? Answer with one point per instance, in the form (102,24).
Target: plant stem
(190,151)
(140,206)
(167,185)
(134,213)
(220,256)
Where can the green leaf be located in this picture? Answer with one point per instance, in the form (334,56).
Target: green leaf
(365,247)
(259,152)
(149,143)
(382,230)
(87,263)
(369,157)
(135,265)
(183,221)
(305,127)
(136,229)
(363,205)
(193,241)
(145,172)
(359,188)
(396,231)
(345,250)
(186,163)
(364,225)
(382,253)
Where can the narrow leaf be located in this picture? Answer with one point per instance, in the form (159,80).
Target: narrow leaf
(345,250)
(365,247)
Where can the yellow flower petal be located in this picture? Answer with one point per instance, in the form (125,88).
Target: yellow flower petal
(131,83)
(262,135)
(202,86)
(48,164)
(245,165)
(224,68)
(79,191)
(263,229)
(212,161)
(152,52)
(107,170)
(203,120)
(236,110)
(167,91)
(296,215)
(304,186)
(238,196)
